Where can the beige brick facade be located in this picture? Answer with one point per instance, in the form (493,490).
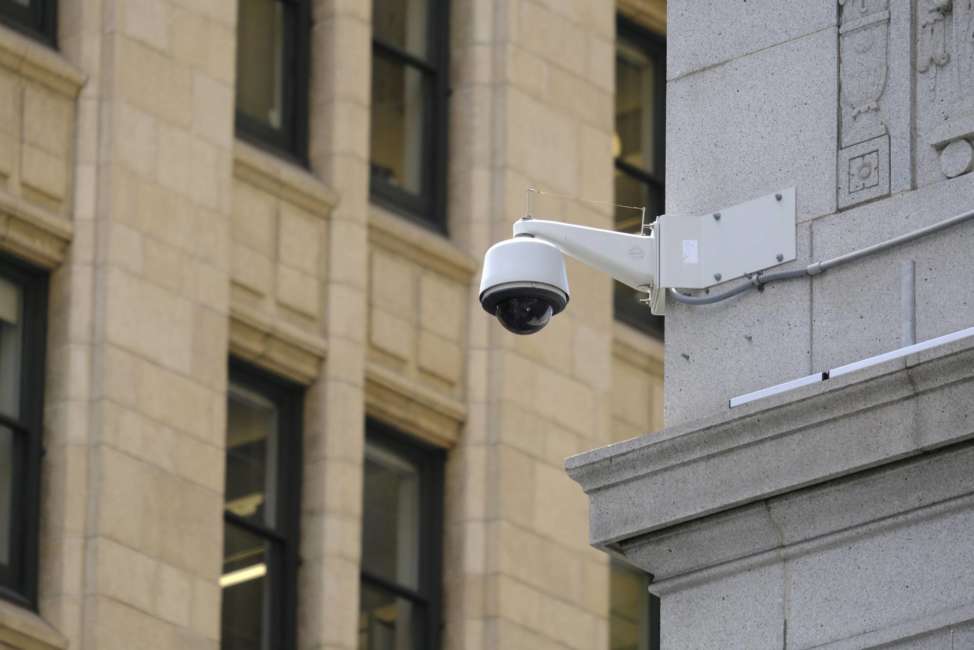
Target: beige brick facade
(173,245)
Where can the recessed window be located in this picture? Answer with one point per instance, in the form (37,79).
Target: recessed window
(272,74)
(408,124)
(38,18)
(261,513)
(23,304)
(638,147)
(633,611)
(401,543)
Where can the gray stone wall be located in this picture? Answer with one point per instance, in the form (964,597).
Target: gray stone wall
(838,515)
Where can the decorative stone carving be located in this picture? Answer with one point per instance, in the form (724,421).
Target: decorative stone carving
(945,88)
(863,160)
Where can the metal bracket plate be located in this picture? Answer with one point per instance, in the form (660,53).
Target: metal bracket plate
(701,251)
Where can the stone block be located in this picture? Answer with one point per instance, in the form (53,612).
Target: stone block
(44,172)
(155,83)
(440,357)
(165,265)
(10,98)
(9,150)
(542,142)
(298,290)
(149,320)
(177,402)
(205,609)
(124,573)
(442,306)
(753,126)
(173,593)
(251,270)
(566,401)
(135,138)
(393,285)
(392,335)
(752,618)
(300,240)
(113,625)
(213,110)
(254,220)
(706,34)
(921,559)
(559,508)
(147,21)
(48,120)
(560,42)
(513,472)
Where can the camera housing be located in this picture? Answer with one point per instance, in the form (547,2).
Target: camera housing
(524,283)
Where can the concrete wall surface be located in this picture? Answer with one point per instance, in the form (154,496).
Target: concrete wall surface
(837,515)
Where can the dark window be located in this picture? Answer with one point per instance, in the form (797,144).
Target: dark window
(272,74)
(633,611)
(401,543)
(408,125)
(23,306)
(263,494)
(35,17)
(639,148)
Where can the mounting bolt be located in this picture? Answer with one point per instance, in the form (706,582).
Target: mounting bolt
(777,196)
(717,276)
(716,216)
(780,257)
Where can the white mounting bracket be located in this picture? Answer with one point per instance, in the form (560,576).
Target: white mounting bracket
(701,251)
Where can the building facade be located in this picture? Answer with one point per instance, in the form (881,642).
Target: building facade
(248,398)
(835,513)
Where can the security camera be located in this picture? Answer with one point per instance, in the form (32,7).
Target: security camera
(524,283)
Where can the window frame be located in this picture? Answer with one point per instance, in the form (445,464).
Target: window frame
(432,461)
(38,20)
(291,140)
(288,397)
(20,587)
(653,45)
(427,208)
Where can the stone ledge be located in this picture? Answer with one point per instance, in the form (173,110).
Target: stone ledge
(415,243)
(282,179)
(25,630)
(29,58)
(33,233)
(276,346)
(811,436)
(413,408)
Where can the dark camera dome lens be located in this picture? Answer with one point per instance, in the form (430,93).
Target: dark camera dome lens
(524,315)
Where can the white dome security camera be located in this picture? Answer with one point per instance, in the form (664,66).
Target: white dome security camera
(524,283)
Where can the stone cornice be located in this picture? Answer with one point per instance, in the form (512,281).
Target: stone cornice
(25,629)
(282,179)
(813,435)
(276,346)
(33,233)
(418,244)
(35,61)
(406,404)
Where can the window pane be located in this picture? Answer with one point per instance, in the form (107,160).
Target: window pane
(628,610)
(387,622)
(11,334)
(260,60)
(398,124)
(390,537)
(635,108)
(402,23)
(252,448)
(6,492)
(245,582)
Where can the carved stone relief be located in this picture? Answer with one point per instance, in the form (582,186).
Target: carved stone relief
(945,88)
(864,138)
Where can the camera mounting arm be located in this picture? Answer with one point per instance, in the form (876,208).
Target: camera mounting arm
(630,259)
